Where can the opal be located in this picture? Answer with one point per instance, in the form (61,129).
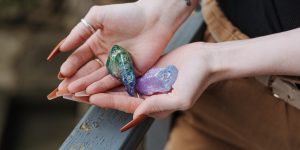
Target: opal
(157,80)
(120,66)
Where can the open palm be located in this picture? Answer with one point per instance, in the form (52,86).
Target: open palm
(129,25)
(193,78)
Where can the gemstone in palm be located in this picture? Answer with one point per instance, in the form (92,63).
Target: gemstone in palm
(120,66)
(157,80)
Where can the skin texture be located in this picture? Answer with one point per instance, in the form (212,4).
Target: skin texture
(199,64)
(207,63)
(143,28)
(182,97)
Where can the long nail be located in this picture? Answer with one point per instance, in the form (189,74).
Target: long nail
(55,51)
(133,123)
(68,97)
(60,76)
(81,94)
(63,92)
(76,99)
(52,95)
(85,99)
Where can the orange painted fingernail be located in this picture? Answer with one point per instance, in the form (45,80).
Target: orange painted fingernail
(77,99)
(60,76)
(63,92)
(68,97)
(55,51)
(52,95)
(84,99)
(81,94)
(133,123)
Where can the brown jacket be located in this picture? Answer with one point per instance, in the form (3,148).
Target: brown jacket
(220,29)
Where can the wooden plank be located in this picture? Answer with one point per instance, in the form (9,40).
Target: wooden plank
(99,128)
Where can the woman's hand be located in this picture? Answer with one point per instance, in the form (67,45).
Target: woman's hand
(143,28)
(201,64)
(195,74)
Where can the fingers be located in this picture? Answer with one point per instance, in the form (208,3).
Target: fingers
(81,32)
(82,83)
(120,102)
(76,60)
(83,54)
(87,69)
(107,83)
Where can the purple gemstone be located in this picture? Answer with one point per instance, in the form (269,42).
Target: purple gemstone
(157,80)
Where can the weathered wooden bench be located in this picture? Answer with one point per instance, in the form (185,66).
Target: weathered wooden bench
(99,128)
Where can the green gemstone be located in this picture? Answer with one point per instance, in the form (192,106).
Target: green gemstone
(120,66)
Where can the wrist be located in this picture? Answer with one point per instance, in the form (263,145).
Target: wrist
(209,55)
(201,58)
(228,60)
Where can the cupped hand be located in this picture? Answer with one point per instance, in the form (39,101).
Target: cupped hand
(137,28)
(143,28)
(195,74)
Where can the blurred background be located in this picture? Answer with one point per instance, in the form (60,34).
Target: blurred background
(29,29)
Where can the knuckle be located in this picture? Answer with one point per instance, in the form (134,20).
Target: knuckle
(110,103)
(69,65)
(94,45)
(82,84)
(114,104)
(74,60)
(83,35)
(103,86)
(80,31)
(90,46)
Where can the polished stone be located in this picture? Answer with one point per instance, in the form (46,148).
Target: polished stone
(157,80)
(120,66)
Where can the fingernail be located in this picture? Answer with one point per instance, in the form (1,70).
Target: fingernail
(68,97)
(84,99)
(60,76)
(55,51)
(63,92)
(133,123)
(81,94)
(52,95)
(77,99)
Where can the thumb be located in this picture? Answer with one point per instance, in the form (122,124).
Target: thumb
(155,104)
